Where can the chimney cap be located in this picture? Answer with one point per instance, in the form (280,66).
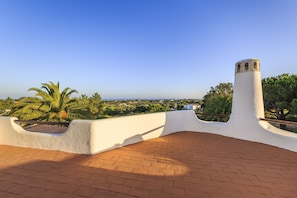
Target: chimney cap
(248,60)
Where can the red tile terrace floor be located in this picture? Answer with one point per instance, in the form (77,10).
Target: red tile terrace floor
(184,164)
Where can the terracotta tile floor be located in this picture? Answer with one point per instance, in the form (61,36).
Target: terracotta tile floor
(184,164)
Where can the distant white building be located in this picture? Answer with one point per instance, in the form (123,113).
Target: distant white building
(191,106)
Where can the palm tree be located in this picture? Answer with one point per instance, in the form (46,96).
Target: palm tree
(220,105)
(218,101)
(49,104)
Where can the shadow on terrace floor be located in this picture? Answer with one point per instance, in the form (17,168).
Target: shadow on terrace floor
(184,164)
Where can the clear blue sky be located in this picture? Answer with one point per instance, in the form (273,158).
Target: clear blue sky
(141,48)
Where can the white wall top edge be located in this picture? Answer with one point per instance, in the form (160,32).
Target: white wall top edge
(247,60)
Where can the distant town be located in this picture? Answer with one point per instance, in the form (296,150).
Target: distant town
(123,107)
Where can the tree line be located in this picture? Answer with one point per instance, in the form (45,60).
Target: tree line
(52,104)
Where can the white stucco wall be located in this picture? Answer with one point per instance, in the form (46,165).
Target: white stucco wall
(76,139)
(112,133)
(95,136)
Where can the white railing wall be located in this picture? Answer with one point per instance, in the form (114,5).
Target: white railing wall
(95,136)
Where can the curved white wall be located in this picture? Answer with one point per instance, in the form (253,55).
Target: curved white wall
(77,132)
(248,108)
(95,136)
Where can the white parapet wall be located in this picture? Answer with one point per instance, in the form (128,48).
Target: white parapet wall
(112,133)
(95,136)
(76,139)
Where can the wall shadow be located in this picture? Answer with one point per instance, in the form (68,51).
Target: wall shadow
(136,138)
(185,164)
